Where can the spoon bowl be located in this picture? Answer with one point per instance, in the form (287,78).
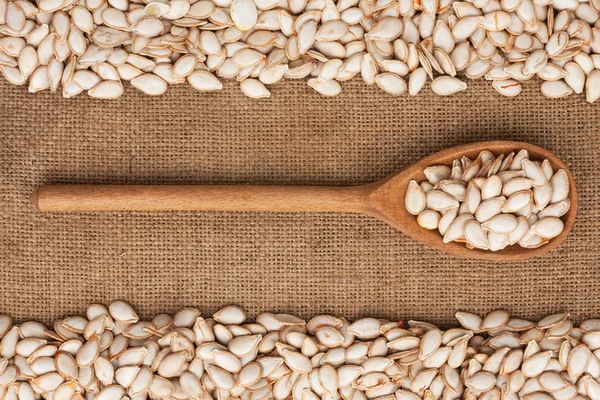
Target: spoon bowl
(395,187)
(383,199)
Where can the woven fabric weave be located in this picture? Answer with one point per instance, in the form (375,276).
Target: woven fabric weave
(343,264)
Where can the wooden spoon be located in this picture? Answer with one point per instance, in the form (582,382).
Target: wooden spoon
(383,199)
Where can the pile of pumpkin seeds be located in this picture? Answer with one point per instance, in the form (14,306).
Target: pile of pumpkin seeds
(492,202)
(398,45)
(109,354)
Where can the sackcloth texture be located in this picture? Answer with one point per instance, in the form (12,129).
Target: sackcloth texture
(351,265)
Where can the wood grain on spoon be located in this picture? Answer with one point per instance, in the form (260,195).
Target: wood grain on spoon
(383,199)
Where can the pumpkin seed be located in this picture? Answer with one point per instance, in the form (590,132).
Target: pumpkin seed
(461,193)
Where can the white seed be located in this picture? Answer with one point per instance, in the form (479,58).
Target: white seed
(560,186)
(592,86)
(142,382)
(429,219)
(490,208)
(88,353)
(516,185)
(15,17)
(502,223)
(244,14)
(542,196)
(387,29)
(104,371)
(244,345)
(491,188)
(149,84)
(536,364)
(326,88)
(447,85)
(382,30)
(253,88)
(171,364)
(122,311)
(518,354)
(508,87)
(368,69)
(534,172)
(430,343)
(440,201)
(456,230)
(65,365)
(519,232)
(476,236)
(517,201)
(548,227)
(111,392)
(556,210)
(556,89)
(391,83)
(495,320)
(496,21)
(466,26)
(417,81)
(245,58)
(204,81)
(481,381)
(107,90)
(48,382)
(366,328)
(437,173)
(469,321)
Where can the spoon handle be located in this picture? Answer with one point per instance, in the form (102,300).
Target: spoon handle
(199,197)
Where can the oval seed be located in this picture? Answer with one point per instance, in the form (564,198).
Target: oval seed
(429,219)
(502,223)
(391,83)
(122,311)
(244,14)
(440,201)
(495,320)
(253,88)
(560,186)
(149,84)
(447,85)
(548,228)
(475,235)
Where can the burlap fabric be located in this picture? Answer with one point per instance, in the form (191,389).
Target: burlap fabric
(345,264)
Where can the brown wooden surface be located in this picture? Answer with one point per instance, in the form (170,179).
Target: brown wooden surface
(383,199)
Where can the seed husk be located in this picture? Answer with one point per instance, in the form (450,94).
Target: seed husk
(517,201)
(491,188)
(455,232)
(548,227)
(481,381)
(489,208)
(516,185)
(447,85)
(429,219)
(476,236)
(560,186)
(508,87)
(391,83)
(592,86)
(326,88)
(253,88)
(440,201)
(555,210)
